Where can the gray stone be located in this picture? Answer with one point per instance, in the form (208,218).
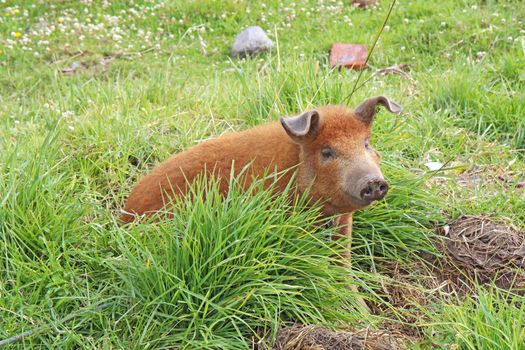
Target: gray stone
(251,41)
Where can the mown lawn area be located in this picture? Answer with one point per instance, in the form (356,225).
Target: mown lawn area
(93,94)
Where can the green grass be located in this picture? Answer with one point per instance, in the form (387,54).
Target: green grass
(155,79)
(484,323)
(227,269)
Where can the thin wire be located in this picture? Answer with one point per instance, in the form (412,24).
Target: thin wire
(355,88)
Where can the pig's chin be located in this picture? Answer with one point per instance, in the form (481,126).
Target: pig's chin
(348,205)
(359,203)
(356,201)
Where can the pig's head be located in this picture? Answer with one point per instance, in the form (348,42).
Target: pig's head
(338,163)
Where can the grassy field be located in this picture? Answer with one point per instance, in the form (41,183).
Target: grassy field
(95,93)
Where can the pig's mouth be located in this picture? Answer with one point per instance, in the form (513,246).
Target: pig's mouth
(345,204)
(357,201)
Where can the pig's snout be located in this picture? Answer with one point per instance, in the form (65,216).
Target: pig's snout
(374,190)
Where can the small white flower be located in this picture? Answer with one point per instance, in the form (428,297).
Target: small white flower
(480,55)
(67,114)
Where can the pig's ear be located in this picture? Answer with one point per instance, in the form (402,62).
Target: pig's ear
(367,110)
(301,126)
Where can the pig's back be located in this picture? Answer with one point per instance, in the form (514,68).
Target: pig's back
(267,147)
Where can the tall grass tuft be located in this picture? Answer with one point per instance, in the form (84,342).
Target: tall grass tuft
(229,268)
(401,226)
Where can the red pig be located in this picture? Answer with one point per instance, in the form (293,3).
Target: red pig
(328,147)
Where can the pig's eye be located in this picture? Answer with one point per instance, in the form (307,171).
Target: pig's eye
(367,144)
(328,153)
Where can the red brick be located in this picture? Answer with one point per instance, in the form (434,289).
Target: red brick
(364,3)
(348,55)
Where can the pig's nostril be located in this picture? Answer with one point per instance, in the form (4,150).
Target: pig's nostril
(375,189)
(366,192)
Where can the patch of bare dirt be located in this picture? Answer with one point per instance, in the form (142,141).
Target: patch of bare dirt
(488,175)
(88,62)
(407,286)
(479,249)
(91,62)
(300,337)
(406,291)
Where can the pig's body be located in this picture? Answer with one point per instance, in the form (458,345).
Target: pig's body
(217,156)
(328,150)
